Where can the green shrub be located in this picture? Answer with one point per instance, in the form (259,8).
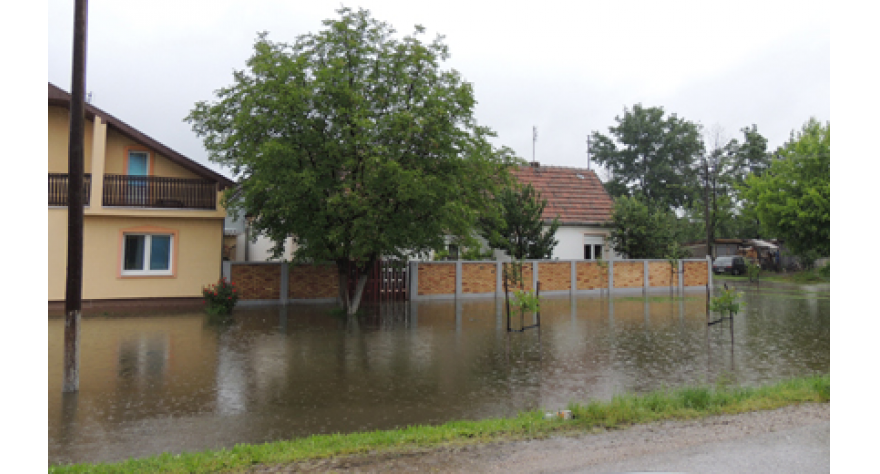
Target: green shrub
(220,298)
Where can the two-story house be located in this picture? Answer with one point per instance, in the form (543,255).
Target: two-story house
(153,223)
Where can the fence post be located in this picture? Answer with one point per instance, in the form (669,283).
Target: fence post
(645,283)
(285,282)
(457,279)
(573,278)
(610,271)
(413,280)
(534,275)
(499,287)
(226,271)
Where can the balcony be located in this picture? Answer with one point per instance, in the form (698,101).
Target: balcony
(142,192)
(58,184)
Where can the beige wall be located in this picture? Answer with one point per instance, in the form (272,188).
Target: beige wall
(59,133)
(198,257)
(115,161)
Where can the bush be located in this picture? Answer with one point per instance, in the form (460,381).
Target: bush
(220,298)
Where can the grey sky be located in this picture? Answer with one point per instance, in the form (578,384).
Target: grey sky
(566,67)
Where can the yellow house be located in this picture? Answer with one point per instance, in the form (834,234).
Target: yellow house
(153,223)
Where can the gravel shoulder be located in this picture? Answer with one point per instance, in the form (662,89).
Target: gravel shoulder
(790,439)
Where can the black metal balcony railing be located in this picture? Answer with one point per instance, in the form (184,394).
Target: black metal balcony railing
(58,185)
(157,192)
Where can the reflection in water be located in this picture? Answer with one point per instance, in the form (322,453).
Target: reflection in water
(154,383)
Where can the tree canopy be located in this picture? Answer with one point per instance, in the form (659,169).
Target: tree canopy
(650,154)
(519,230)
(642,229)
(355,143)
(793,196)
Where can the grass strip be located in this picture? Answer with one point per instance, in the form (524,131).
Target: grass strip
(622,410)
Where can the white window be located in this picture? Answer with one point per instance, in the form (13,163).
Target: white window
(593,247)
(147,254)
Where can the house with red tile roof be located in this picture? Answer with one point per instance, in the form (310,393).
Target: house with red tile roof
(579,200)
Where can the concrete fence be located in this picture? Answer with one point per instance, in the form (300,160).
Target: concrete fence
(463,279)
(280,282)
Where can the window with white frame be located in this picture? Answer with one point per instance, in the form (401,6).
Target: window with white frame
(147,254)
(593,247)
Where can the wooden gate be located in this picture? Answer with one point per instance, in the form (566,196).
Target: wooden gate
(386,281)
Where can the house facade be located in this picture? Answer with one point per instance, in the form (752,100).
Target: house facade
(153,223)
(578,199)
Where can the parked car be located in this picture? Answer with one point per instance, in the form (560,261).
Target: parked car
(734,265)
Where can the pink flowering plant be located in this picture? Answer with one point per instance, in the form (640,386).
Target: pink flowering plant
(220,298)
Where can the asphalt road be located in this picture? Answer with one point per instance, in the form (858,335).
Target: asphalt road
(793,439)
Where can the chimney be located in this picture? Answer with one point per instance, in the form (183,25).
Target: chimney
(534,164)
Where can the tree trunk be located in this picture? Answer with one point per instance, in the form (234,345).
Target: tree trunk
(342,272)
(358,293)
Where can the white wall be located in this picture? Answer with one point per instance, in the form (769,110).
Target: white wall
(571,243)
(261,250)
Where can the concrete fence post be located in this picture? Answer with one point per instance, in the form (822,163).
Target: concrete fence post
(645,283)
(573,277)
(458,279)
(610,271)
(285,282)
(534,275)
(226,270)
(499,285)
(710,276)
(413,280)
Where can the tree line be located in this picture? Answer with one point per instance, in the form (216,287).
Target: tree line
(358,144)
(674,182)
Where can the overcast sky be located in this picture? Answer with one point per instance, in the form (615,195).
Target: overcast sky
(567,68)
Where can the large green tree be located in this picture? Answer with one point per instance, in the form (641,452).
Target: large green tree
(354,142)
(649,153)
(519,230)
(642,229)
(793,196)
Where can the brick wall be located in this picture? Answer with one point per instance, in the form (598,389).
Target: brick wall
(436,278)
(629,274)
(257,282)
(589,276)
(475,278)
(695,273)
(526,276)
(659,275)
(554,276)
(313,281)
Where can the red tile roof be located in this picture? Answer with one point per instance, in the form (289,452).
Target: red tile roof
(575,195)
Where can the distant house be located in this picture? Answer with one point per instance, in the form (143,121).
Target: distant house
(584,208)
(153,225)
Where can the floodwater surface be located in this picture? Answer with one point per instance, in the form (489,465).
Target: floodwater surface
(178,381)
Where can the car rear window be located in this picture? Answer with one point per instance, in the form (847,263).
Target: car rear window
(724,260)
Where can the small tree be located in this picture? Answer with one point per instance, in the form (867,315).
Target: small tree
(641,230)
(519,229)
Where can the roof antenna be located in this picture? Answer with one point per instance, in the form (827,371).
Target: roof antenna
(534,140)
(588,152)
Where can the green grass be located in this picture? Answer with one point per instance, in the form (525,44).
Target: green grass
(622,410)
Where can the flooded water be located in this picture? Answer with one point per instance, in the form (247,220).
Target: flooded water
(177,381)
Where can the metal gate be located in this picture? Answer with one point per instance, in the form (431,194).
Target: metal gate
(386,281)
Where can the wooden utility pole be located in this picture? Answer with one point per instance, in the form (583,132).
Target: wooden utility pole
(76,170)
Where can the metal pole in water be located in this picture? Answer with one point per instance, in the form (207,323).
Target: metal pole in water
(76,171)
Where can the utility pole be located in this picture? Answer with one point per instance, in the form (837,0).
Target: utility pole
(75,170)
